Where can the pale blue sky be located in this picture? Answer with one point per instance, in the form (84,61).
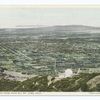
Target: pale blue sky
(13,16)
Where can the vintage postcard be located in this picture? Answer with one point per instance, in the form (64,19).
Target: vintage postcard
(49,50)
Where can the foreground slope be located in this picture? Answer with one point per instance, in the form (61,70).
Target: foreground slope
(78,83)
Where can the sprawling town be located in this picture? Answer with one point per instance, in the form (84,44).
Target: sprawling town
(58,51)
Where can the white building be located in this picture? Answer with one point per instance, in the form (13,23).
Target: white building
(67,73)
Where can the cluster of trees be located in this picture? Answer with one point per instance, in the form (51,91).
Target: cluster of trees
(40,83)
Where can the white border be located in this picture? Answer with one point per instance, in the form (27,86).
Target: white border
(49,93)
(53,2)
(19,2)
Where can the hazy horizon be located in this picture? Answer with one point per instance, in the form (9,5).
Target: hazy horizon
(11,16)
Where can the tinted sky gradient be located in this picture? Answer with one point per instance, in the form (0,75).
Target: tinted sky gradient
(12,16)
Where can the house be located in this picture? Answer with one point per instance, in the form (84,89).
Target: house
(67,73)
(88,70)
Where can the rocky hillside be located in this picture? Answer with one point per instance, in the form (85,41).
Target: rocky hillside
(78,83)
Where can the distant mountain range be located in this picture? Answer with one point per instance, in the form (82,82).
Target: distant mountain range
(30,26)
(71,28)
(57,26)
(63,28)
(58,31)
